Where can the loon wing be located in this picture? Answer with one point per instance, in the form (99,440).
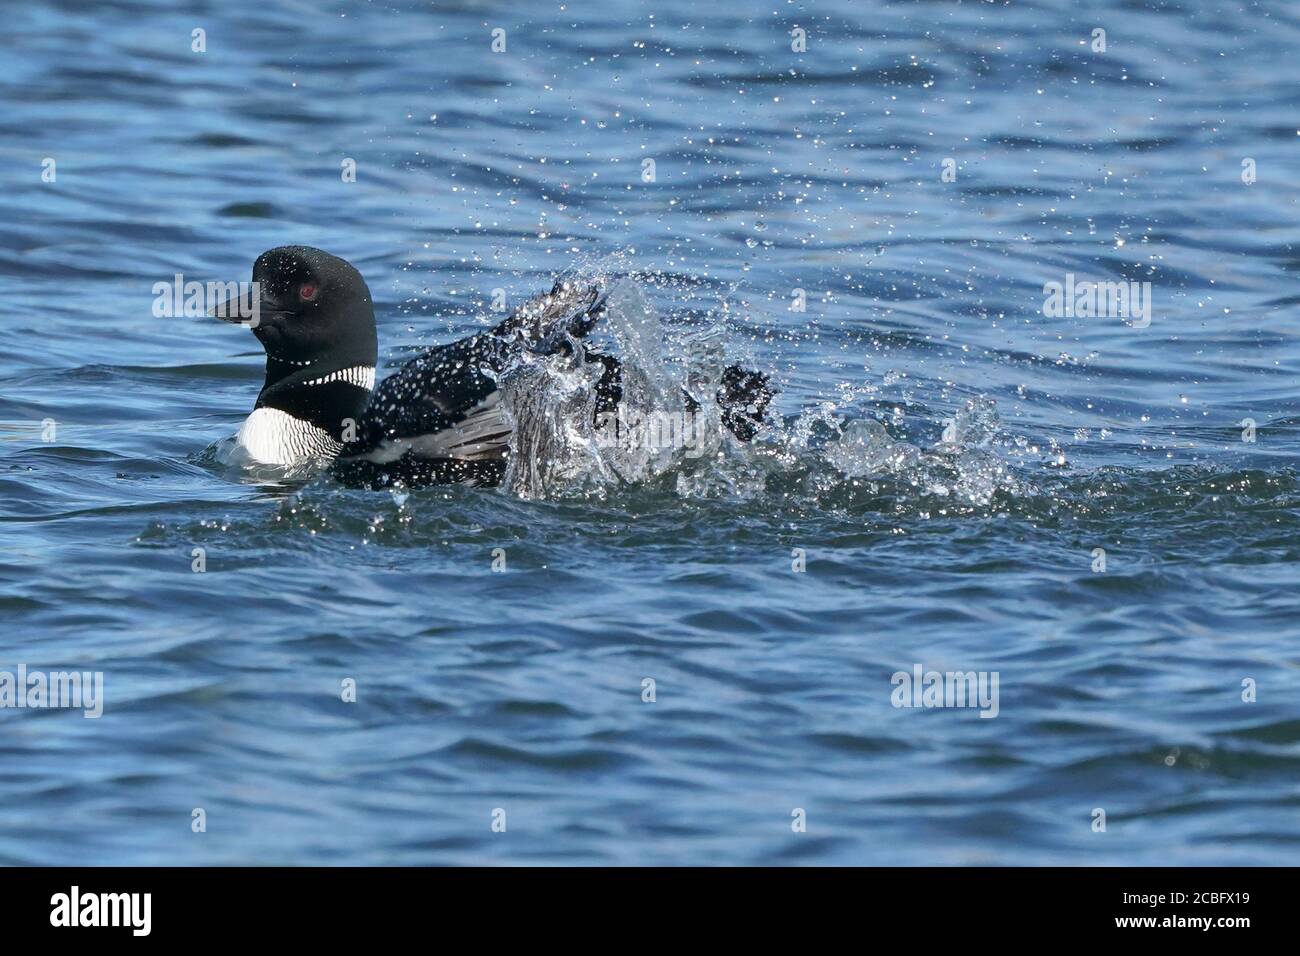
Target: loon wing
(439,418)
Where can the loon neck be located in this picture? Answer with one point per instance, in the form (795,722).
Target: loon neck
(323,395)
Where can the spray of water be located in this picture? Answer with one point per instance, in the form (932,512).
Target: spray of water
(560,449)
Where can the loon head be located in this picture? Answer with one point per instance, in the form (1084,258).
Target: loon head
(314,318)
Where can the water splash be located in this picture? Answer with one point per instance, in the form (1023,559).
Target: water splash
(561,450)
(566,444)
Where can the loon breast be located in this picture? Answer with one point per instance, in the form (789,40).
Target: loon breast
(274,437)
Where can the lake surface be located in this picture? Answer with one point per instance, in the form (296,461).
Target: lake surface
(947,458)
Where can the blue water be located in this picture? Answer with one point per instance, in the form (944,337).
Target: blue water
(521,691)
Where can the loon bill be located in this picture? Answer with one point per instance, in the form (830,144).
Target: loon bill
(439,418)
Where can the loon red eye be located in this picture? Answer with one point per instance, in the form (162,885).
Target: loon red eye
(307,292)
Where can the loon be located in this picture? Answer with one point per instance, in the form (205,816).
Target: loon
(438,419)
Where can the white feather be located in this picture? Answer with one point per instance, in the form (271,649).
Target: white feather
(273,437)
(270,436)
